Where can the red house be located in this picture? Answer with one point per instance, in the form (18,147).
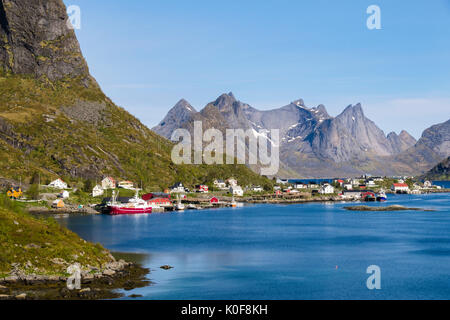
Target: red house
(214,200)
(202,188)
(162,202)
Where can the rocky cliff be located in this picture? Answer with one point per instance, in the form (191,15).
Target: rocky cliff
(35,40)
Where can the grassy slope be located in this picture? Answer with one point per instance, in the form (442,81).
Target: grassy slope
(118,145)
(24,239)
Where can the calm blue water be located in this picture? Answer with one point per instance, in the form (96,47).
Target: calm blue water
(308,251)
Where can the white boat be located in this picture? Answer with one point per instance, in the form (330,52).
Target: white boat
(233,203)
(381,196)
(179,206)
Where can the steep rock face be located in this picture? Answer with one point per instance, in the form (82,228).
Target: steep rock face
(180,115)
(35,40)
(437,138)
(348,136)
(233,111)
(401,142)
(432,147)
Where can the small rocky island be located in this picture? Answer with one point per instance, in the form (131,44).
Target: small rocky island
(388,208)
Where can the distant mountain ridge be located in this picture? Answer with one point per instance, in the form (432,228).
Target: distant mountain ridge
(315,144)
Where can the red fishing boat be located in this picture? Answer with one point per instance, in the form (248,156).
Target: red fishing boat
(136,205)
(116,210)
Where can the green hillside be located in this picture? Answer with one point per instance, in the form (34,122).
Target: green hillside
(38,246)
(440,172)
(65,129)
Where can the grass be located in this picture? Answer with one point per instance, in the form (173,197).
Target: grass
(33,243)
(119,145)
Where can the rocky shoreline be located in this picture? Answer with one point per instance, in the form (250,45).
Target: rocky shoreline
(95,283)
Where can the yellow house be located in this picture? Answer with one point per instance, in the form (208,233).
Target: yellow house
(58,204)
(14,193)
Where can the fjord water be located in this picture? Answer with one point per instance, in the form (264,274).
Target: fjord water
(305,251)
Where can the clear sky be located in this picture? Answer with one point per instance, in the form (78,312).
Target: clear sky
(148,54)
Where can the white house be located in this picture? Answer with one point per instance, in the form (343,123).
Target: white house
(232,182)
(282,181)
(400,187)
(350,194)
(97,191)
(257,189)
(177,188)
(108,183)
(202,188)
(126,185)
(300,186)
(236,191)
(427,184)
(326,189)
(370,183)
(348,186)
(220,184)
(58,184)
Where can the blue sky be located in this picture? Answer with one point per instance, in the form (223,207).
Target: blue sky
(147,55)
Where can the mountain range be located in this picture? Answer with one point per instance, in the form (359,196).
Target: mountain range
(315,144)
(56,121)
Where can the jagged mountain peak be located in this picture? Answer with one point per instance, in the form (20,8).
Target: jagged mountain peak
(180,114)
(183,104)
(400,142)
(299,103)
(354,109)
(406,135)
(225,100)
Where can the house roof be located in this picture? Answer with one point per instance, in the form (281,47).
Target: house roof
(400,185)
(177,185)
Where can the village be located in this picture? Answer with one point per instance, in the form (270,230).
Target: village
(59,197)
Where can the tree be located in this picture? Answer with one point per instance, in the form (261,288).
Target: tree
(35,178)
(87,187)
(33,192)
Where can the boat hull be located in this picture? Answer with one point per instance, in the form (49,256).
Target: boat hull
(123,210)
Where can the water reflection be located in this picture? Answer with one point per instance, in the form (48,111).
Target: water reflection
(284,252)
